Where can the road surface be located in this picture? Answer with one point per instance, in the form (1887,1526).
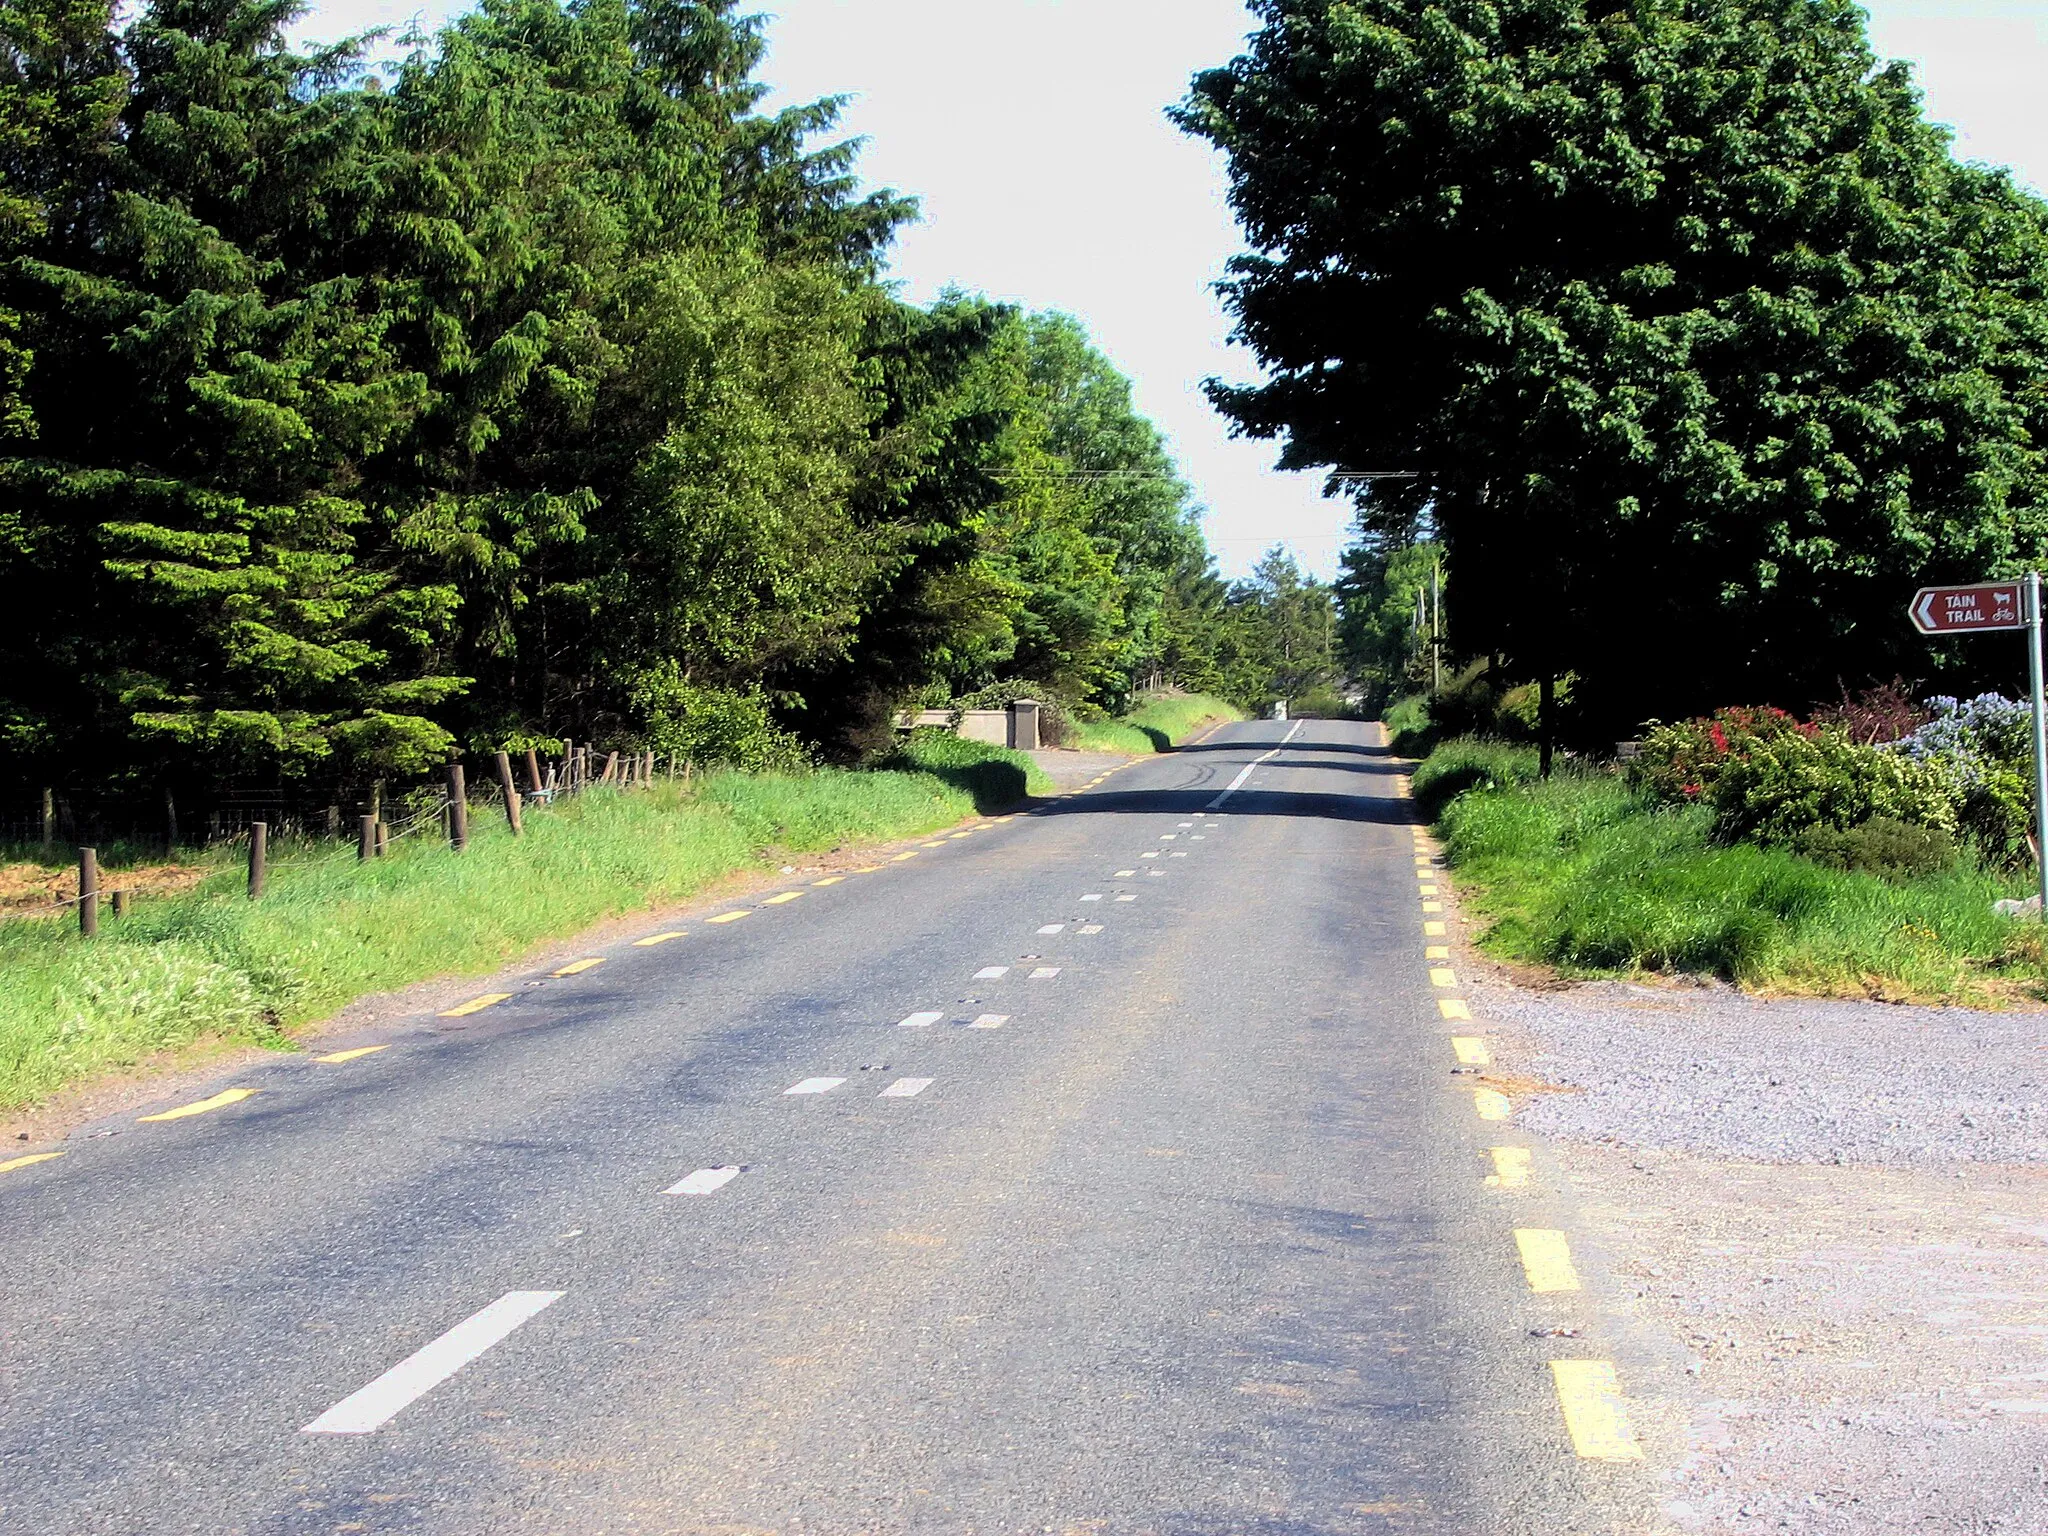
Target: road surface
(1133,1192)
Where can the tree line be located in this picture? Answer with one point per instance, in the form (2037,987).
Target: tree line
(535,383)
(1675,328)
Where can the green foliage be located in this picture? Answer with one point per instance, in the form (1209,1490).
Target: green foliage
(995,777)
(1883,846)
(713,725)
(1410,731)
(1782,787)
(547,388)
(1584,873)
(1159,724)
(1467,763)
(1680,314)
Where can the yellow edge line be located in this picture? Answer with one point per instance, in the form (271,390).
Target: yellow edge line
(1471,1052)
(660,938)
(22,1162)
(731,917)
(204,1106)
(1510,1168)
(336,1058)
(1594,1413)
(577,967)
(1451,1008)
(1546,1260)
(1490,1104)
(786,896)
(476,1005)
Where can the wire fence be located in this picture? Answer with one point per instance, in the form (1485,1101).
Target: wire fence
(380,821)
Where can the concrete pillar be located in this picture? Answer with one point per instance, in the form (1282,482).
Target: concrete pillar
(1024,724)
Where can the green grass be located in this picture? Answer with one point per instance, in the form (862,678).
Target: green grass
(211,964)
(1580,875)
(1159,725)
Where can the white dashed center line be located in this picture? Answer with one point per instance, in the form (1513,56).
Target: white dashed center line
(906,1088)
(1127,898)
(990,1021)
(814,1085)
(703,1182)
(412,1378)
(919,1021)
(1053,928)
(1096,897)
(1044,972)
(991,972)
(1091,928)
(1125,874)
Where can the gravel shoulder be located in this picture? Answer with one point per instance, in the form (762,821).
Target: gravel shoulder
(1832,1217)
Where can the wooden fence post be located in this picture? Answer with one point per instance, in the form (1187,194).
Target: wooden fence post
(259,857)
(170,819)
(383,838)
(88,893)
(611,769)
(366,838)
(533,784)
(119,896)
(49,819)
(511,793)
(458,809)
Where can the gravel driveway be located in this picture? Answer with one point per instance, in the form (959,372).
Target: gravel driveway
(1832,1219)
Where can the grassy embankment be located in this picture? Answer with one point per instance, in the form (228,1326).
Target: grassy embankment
(209,963)
(1159,725)
(1582,875)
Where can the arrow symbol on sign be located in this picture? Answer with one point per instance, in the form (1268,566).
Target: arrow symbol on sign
(1925,612)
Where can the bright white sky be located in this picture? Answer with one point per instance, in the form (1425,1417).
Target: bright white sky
(1033,131)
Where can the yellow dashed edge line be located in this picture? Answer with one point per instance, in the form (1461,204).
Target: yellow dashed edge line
(828,880)
(1452,1008)
(1436,952)
(336,1058)
(1491,1105)
(1432,906)
(203,1107)
(731,917)
(660,938)
(1435,930)
(476,1005)
(781,899)
(22,1162)
(1440,977)
(578,967)
(902,856)
(1594,1414)
(1546,1260)
(1510,1168)
(1470,1052)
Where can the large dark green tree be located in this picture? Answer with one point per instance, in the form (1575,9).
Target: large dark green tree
(1701,349)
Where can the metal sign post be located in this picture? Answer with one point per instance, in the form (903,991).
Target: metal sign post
(2001,605)
(2040,735)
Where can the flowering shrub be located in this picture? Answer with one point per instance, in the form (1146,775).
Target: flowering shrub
(1984,749)
(1679,763)
(1778,788)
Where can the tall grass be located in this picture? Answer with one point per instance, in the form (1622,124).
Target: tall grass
(1579,874)
(211,963)
(1160,724)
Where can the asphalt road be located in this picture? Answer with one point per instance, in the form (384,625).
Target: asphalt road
(1190,1237)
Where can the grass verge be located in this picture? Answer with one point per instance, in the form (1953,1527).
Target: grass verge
(1581,875)
(1159,725)
(208,963)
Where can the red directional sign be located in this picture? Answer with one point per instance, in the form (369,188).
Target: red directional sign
(1948,610)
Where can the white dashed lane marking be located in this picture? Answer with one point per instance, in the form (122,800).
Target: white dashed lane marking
(1097,896)
(703,1182)
(990,1021)
(991,972)
(1053,928)
(363,1412)
(814,1085)
(919,1021)
(1044,972)
(906,1088)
